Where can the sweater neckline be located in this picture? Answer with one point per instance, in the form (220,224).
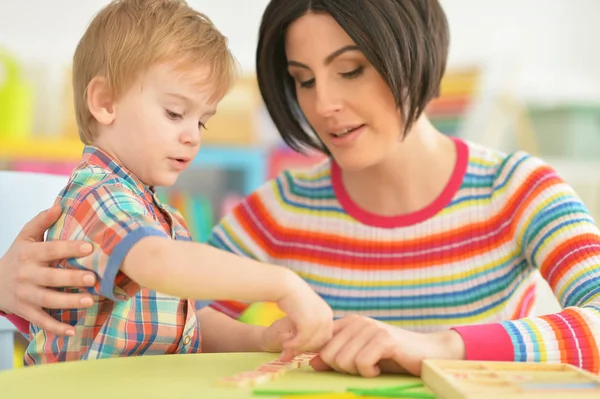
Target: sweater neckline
(411,218)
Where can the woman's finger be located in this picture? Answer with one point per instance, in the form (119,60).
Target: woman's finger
(34,229)
(53,277)
(42,319)
(57,250)
(330,352)
(347,358)
(381,347)
(51,299)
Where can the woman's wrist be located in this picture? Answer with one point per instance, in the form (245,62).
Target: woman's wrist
(453,345)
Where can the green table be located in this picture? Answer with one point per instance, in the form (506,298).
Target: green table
(171,376)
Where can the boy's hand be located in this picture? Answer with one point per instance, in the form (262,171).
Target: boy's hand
(311,316)
(277,334)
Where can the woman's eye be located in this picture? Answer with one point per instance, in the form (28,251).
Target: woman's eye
(307,83)
(353,74)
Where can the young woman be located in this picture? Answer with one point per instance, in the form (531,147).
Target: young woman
(424,246)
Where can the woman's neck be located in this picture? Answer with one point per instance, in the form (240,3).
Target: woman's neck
(411,178)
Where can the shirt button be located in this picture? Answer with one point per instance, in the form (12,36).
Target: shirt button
(187,340)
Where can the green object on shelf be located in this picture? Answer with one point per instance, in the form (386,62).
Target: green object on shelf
(15,99)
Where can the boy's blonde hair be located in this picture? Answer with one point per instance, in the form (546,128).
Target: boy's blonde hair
(129,36)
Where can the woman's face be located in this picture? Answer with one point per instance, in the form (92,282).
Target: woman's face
(343,97)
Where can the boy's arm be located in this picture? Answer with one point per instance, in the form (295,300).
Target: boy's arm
(133,250)
(198,271)
(247,232)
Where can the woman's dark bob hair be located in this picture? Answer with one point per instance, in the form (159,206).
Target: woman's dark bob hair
(406,41)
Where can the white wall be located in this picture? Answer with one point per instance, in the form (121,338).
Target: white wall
(553,42)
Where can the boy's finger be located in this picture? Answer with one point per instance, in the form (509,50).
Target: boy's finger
(287,355)
(298,341)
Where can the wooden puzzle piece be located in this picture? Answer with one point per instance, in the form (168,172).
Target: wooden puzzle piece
(507,380)
(267,372)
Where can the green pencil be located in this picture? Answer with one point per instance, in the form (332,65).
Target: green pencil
(283,392)
(389,388)
(397,394)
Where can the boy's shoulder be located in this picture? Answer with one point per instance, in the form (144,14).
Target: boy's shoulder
(93,180)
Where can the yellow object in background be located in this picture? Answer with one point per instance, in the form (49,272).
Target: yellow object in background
(262,314)
(19,353)
(16,104)
(236,121)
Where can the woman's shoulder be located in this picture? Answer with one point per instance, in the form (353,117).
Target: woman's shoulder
(305,182)
(501,162)
(508,169)
(292,192)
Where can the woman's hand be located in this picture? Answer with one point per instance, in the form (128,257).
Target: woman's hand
(369,347)
(25,277)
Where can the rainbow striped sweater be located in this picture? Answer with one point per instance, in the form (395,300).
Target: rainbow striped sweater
(470,260)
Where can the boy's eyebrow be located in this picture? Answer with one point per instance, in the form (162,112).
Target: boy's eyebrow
(180,97)
(329,58)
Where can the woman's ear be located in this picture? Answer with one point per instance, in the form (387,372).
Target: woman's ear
(100,100)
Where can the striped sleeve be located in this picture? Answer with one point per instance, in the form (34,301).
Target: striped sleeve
(242,234)
(557,235)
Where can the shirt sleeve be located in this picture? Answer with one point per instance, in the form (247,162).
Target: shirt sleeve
(113,219)
(557,235)
(21,324)
(242,233)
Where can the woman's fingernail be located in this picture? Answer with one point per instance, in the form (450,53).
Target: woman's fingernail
(70,333)
(87,301)
(87,247)
(89,279)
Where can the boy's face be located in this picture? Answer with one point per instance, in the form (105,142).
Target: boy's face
(158,123)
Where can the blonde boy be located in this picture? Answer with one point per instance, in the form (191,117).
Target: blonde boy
(147,76)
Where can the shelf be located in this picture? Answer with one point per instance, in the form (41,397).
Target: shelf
(41,149)
(253,161)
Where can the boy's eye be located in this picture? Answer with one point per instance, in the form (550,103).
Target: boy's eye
(173,115)
(202,126)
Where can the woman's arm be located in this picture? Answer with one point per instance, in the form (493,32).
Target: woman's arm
(557,235)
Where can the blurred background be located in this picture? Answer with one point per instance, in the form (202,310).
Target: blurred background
(522,75)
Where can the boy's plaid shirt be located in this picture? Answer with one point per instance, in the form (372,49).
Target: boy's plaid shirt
(107,205)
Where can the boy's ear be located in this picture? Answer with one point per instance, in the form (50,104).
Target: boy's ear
(100,100)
